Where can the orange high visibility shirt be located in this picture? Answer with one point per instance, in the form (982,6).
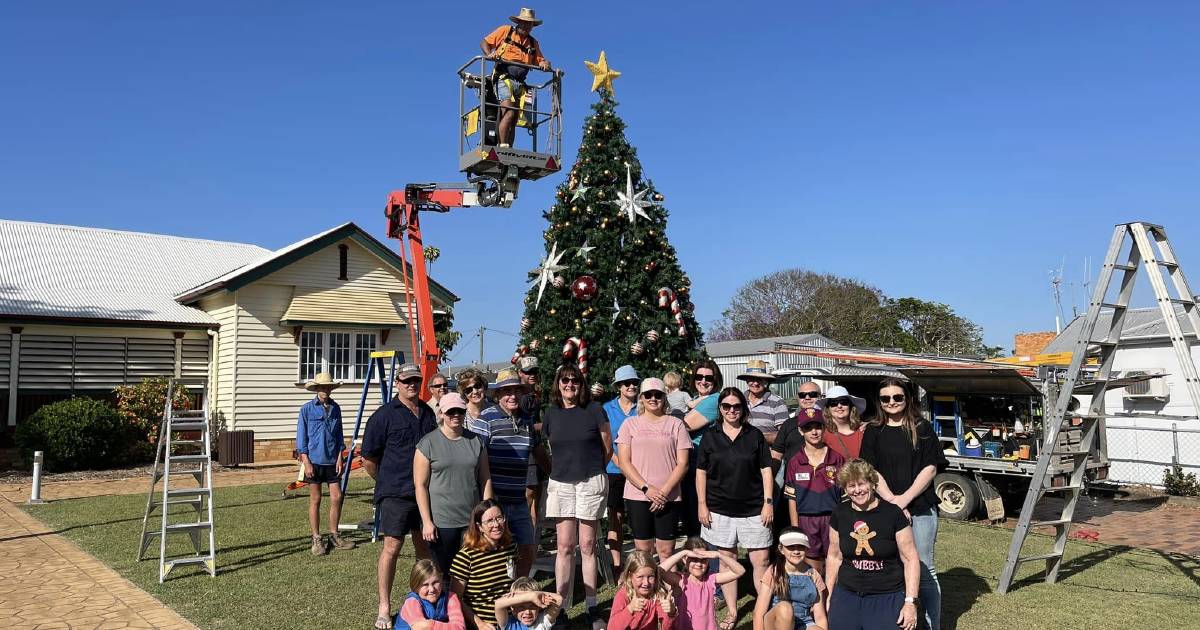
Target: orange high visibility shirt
(518,46)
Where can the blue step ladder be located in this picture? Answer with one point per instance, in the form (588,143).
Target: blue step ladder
(385,373)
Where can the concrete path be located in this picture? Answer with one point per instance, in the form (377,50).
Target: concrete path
(47,582)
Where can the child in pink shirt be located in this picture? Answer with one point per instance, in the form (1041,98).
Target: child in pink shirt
(428,606)
(697,611)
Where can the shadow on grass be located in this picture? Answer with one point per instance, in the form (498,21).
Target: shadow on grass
(1187,565)
(961,589)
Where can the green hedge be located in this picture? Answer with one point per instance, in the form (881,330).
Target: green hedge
(81,434)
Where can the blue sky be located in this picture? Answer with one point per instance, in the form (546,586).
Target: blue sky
(954,152)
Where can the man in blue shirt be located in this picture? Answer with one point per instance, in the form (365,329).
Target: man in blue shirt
(626,382)
(388,447)
(320,444)
(510,439)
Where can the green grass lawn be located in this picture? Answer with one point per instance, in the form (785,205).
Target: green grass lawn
(267,578)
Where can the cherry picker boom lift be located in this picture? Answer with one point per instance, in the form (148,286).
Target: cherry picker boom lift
(494,174)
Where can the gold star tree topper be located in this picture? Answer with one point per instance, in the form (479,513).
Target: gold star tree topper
(602,75)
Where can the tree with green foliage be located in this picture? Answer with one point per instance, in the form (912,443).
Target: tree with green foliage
(609,290)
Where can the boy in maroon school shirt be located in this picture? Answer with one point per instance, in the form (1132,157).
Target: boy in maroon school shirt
(811,477)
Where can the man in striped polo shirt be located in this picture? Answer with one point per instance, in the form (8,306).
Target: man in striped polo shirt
(508,434)
(768,412)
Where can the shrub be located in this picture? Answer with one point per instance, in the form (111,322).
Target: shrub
(78,434)
(1179,483)
(141,405)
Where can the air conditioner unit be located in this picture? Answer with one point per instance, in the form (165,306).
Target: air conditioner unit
(1154,388)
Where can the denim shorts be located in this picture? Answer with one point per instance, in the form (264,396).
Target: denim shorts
(503,93)
(516,514)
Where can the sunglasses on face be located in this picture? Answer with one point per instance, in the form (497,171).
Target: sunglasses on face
(706,378)
(899,398)
(731,407)
(470,389)
(455,413)
(652,396)
(409,381)
(569,380)
(808,395)
(838,402)
(627,384)
(438,386)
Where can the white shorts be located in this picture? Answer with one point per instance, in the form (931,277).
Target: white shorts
(730,531)
(585,500)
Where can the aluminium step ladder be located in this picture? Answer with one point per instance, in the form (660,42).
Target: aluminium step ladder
(183,509)
(1148,248)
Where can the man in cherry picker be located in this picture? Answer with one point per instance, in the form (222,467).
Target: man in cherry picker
(512,43)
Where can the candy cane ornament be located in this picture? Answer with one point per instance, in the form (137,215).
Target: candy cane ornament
(667,299)
(576,347)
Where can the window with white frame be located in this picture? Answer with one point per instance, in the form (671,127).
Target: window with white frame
(345,355)
(364,345)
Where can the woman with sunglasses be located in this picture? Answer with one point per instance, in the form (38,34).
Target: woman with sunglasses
(702,415)
(473,386)
(577,493)
(653,452)
(483,569)
(902,446)
(449,468)
(736,488)
(843,421)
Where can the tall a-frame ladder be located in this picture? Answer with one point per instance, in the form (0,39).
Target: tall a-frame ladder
(1149,248)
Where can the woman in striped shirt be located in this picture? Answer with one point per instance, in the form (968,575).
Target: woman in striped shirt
(483,569)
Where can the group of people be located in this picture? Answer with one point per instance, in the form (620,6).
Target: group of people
(837,515)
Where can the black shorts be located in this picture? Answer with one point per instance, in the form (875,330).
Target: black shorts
(616,492)
(323,474)
(646,524)
(398,516)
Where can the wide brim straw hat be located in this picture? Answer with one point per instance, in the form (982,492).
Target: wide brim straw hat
(322,378)
(507,378)
(837,391)
(525,15)
(757,369)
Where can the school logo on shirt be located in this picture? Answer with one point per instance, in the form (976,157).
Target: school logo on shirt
(830,473)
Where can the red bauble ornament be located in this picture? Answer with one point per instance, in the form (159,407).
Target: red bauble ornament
(584,288)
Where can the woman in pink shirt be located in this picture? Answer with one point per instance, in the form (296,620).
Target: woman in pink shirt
(653,456)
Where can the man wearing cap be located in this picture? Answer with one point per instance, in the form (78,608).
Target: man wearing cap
(626,382)
(810,483)
(510,440)
(513,43)
(320,444)
(768,412)
(389,447)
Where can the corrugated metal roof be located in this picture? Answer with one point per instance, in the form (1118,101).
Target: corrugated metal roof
(1140,323)
(763,345)
(62,271)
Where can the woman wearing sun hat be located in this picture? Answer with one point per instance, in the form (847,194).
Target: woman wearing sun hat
(653,452)
(843,421)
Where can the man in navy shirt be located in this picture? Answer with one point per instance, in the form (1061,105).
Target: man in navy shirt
(388,448)
(319,443)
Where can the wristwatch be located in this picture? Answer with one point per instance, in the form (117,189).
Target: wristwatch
(910,600)
(645,488)
(769,501)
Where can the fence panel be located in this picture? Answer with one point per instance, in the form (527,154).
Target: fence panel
(1141,454)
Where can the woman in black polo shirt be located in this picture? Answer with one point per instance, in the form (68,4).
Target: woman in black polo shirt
(735,488)
(872,568)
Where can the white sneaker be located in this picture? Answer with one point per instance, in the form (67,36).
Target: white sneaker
(505,145)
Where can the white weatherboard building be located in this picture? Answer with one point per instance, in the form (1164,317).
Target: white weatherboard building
(83,310)
(1141,448)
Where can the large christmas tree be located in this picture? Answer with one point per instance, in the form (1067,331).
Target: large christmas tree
(609,290)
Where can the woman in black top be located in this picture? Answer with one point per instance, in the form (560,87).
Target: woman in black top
(902,446)
(736,490)
(872,568)
(577,494)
